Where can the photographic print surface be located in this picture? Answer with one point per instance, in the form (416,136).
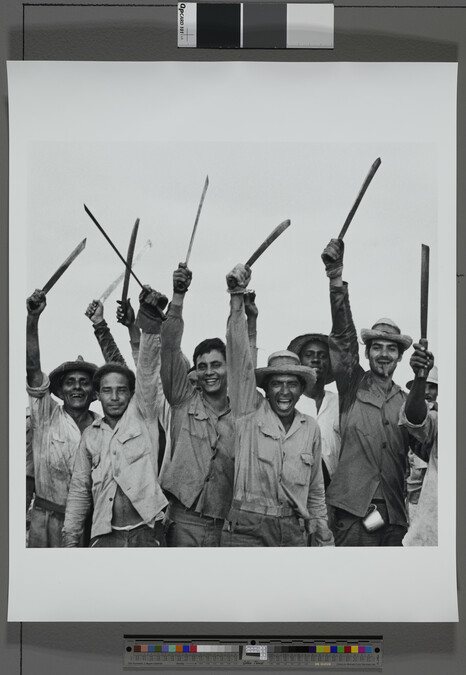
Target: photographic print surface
(278,142)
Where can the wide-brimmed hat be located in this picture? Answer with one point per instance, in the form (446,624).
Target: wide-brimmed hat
(297,344)
(432,378)
(57,375)
(286,362)
(386,329)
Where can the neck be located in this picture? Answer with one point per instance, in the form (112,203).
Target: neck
(112,421)
(218,401)
(81,417)
(384,383)
(318,394)
(287,421)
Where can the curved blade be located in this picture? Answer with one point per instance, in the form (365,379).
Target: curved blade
(270,239)
(361,194)
(109,290)
(129,261)
(206,185)
(64,266)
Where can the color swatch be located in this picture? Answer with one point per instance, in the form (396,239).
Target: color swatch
(255,26)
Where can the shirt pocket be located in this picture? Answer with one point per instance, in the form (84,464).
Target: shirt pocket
(298,470)
(134,446)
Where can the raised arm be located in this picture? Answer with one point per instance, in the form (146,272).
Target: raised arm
(35,305)
(107,344)
(148,390)
(343,339)
(126,316)
(240,364)
(252,312)
(174,369)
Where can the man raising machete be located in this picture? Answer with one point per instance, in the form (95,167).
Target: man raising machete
(367,489)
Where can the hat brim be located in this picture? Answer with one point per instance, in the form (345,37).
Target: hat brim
(298,343)
(304,373)
(57,375)
(368,335)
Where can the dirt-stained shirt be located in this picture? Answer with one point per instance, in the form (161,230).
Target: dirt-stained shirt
(373,457)
(276,471)
(55,438)
(200,471)
(124,457)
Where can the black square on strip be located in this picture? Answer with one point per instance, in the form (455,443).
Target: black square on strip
(218,26)
(264,26)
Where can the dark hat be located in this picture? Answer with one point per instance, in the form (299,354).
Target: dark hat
(386,329)
(286,363)
(297,344)
(57,375)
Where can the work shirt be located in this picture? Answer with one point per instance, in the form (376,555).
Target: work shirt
(55,438)
(373,447)
(124,457)
(423,531)
(200,472)
(328,419)
(277,472)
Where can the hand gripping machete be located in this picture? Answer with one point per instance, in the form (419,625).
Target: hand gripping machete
(425,253)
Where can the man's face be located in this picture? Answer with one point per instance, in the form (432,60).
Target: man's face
(76,391)
(384,356)
(431,392)
(211,369)
(315,355)
(283,392)
(114,395)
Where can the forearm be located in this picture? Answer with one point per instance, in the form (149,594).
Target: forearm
(240,365)
(79,500)
(252,335)
(174,368)
(416,406)
(107,344)
(33,366)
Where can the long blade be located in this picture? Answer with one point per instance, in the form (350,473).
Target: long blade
(109,290)
(64,266)
(362,191)
(424,289)
(270,239)
(110,242)
(129,261)
(206,185)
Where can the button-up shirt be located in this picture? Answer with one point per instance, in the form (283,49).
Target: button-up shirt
(276,471)
(200,473)
(373,447)
(423,531)
(55,438)
(124,457)
(328,419)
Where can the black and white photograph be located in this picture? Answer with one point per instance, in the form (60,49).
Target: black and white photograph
(238,286)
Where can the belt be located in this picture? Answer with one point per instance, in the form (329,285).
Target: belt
(42,503)
(277,510)
(176,504)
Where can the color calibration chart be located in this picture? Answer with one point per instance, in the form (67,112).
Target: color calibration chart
(337,653)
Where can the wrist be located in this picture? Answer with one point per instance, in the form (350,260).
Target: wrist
(178,298)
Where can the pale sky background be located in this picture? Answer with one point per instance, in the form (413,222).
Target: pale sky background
(278,141)
(253,187)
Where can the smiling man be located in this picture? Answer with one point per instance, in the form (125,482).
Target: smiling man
(56,429)
(367,489)
(278,472)
(198,476)
(116,466)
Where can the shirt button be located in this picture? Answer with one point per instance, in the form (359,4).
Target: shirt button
(207,479)
(386,422)
(110,499)
(384,445)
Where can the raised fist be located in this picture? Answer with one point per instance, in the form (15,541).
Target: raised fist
(250,306)
(125,313)
(182,278)
(332,257)
(36,303)
(95,311)
(238,278)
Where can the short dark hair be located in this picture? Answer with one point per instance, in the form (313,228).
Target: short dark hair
(313,339)
(114,367)
(210,345)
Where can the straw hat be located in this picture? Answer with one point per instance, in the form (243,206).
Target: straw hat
(57,375)
(286,363)
(432,378)
(386,329)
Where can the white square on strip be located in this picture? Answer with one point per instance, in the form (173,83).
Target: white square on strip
(187,24)
(309,26)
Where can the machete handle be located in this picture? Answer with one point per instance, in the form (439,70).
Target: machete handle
(422,373)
